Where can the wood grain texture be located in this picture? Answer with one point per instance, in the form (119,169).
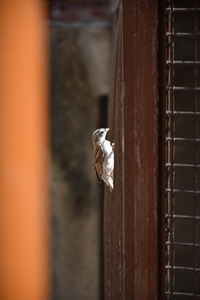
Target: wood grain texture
(114,211)
(131,233)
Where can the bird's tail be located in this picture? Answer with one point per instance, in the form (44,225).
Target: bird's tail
(109,182)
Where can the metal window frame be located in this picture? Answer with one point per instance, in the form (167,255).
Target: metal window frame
(171,216)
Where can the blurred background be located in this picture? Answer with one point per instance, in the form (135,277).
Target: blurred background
(80,52)
(55,60)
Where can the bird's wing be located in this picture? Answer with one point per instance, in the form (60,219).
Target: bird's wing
(98,161)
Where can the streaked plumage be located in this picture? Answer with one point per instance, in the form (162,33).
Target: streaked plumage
(103,156)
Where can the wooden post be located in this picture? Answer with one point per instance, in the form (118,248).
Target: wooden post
(23,181)
(131,212)
(141,149)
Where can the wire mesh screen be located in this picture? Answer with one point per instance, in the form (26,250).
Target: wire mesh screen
(183,150)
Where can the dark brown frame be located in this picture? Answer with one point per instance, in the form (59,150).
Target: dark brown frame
(131,212)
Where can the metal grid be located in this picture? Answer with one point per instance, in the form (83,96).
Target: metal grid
(183,150)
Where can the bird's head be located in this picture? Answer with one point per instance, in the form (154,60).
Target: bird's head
(99,135)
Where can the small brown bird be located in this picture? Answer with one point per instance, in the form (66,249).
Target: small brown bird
(103,156)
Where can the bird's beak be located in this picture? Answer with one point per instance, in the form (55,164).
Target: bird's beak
(107,129)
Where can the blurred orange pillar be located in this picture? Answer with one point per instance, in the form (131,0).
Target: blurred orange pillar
(23,202)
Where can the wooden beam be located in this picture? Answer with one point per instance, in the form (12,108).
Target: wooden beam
(131,212)
(141,149)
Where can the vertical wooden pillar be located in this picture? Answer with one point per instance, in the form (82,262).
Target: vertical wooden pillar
(141,149)
(23,205)
(114,202)
(131,212)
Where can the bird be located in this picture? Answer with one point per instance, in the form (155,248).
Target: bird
(103,156)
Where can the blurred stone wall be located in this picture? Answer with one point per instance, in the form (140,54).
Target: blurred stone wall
(79,76)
